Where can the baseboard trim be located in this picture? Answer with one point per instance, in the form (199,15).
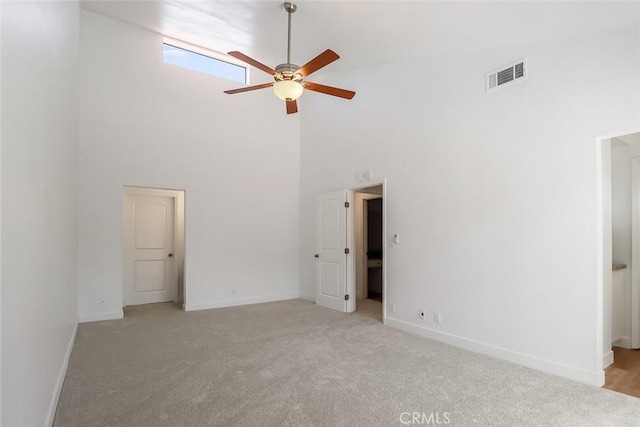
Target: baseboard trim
(607,359)
(595,378)
(236,302)
(53,406)
(308,297)
(96,317)
(624,342)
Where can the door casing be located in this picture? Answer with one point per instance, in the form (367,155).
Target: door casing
(635,253)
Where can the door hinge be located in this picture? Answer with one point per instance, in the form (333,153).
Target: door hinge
(346,251)
(346,297)
(346,204)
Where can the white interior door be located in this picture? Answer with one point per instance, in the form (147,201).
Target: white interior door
(150,273)
(331,242)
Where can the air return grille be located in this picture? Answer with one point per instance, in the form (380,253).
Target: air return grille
(506,75)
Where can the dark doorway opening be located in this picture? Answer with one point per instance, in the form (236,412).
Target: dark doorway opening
(373,212)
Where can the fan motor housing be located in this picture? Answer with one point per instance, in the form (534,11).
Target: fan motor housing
(287,72)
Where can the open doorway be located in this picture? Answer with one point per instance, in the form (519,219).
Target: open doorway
(620,259)
(368,233)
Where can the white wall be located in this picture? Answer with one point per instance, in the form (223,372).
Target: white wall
(493,195)
(39,205)
(144,123)
(621,310)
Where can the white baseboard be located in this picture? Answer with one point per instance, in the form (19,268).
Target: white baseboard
(60,381)
(236,302)
(96,317)
(607,359)
(595,378)
(624,342)
(308,297)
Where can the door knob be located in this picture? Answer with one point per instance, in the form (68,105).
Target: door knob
(170,255)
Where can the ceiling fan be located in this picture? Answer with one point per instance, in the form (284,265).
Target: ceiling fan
(289,79)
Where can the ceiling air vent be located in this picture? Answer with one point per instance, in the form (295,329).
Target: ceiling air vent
(507,75)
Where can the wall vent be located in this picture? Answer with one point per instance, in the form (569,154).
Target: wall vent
(507,75)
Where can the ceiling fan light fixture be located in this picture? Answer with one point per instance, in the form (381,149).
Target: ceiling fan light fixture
(288,90)
(290,79)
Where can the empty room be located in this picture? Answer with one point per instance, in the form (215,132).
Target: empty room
(320,213)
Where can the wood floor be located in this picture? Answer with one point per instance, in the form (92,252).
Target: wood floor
(624,375)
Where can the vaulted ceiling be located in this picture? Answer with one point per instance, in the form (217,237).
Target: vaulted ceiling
(367,33)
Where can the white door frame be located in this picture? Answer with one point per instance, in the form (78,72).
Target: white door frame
(635,253)
(351,238)
(604,262)
(179,234)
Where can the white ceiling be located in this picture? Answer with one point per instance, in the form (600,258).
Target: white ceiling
(366,33)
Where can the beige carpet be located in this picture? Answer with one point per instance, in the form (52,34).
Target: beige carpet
(296,364)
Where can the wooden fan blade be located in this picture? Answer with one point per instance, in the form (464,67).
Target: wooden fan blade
(324,59)
(244,58)
(292,107)
(248,88)
(329,90)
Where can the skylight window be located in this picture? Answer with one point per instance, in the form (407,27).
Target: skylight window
(203,63)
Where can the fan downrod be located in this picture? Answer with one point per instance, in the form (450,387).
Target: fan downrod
(289,8)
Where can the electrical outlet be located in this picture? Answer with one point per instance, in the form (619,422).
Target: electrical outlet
(421,314)
(437,318)
(393,307)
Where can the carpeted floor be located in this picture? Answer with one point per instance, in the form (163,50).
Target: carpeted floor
(294,363)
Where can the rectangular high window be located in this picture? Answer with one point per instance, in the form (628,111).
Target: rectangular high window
(203,63)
